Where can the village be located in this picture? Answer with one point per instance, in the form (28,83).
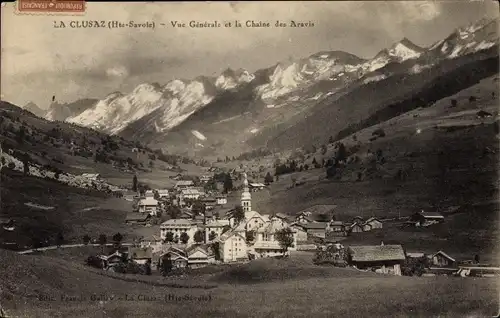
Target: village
(202,228)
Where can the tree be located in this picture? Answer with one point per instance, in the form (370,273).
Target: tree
(250,236)
(238,214)
(166,265)
(102,241)
(323,149)
(268,178)
(184,238)
(341,153)
(454,103)
(174,211)
(26,165)
(212,236)
(147,267)
(330,140)
(228,183)
(117,238)
(314,162)
(134,183)
(59,239)
(169,237)
(285,238)
(476,259)
(199,237)
(86,239)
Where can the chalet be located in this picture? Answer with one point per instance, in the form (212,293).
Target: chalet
(355,228)
(108,261)
(198,256)
(140,255)
(189,194)
(441,259)
(148,205)
(186,214)
(183,184)
(426,218)
(266,243)
(358,219)
(317,229)
(209,202)
(318,211)
(92,176)
(7,224)
(256,186)
(233,247)
(415,254)
(205,178)
(138,218)
(301,233)
(483,114)
(214,228)
(221,199)
(371,223)
(337,226)
(177,227)
(178,258)
(149,194)
(385,259)
(163,194)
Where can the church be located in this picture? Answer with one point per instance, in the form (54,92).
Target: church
(255,235)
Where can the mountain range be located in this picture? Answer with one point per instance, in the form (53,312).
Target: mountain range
(287,105)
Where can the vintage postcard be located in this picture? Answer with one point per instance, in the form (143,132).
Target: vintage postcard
(249,159)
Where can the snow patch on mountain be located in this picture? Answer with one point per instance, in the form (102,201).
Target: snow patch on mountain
(177,99)
(403,52)
(375,78)
(198,135)
(484,45)
(417,68)
(230,79)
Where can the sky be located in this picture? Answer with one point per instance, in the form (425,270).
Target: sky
(39,61)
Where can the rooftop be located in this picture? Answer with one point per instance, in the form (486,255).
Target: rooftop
(184,183)
(257,185)
(148,201)
(178,222)
(431,215)
(316,226)
(375,253)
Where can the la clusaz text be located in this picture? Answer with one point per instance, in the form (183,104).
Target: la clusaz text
(114,24)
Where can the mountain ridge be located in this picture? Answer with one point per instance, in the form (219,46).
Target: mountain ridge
(159,112)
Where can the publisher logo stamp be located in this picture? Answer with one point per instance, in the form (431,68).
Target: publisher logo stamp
(51,6)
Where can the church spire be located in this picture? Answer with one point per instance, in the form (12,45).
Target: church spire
(246,197)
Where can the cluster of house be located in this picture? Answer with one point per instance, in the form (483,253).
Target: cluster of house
(389,259)
(183,194)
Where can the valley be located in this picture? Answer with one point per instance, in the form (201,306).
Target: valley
(219,196)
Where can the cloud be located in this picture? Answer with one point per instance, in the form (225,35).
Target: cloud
(103,60)
(117,71)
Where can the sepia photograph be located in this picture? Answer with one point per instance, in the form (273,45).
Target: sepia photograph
(249,159)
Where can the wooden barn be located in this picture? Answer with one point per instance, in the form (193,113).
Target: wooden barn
(386,259)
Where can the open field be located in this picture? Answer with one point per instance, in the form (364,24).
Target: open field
(338,292)
(75,212)
(443,167)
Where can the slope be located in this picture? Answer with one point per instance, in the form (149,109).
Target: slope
(434,158)
(27,277)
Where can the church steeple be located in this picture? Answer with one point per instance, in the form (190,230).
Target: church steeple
(246,197)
